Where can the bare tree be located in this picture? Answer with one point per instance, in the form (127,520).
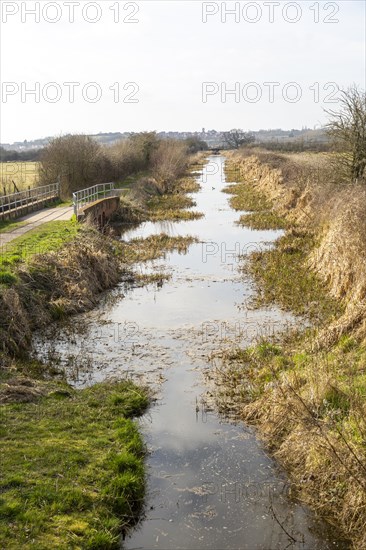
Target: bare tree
(146,143)
(236,138)
(168,162)
(347,128)
(195,144)
(76,160)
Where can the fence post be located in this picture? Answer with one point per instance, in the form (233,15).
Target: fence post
(75,201)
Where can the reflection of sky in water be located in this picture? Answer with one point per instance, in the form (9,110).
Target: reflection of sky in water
(211,485)
(173,305)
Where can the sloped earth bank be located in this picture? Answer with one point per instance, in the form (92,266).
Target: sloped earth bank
(211,484)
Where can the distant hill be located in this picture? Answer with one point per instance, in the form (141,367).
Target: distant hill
(212,137)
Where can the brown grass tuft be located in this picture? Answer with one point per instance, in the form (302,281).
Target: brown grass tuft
(308,397)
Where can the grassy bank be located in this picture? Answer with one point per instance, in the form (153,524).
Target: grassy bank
(40,288)
(159,201)
(282,277)
(306,394)
(259,208)
(6,226)
(72,472)
(62,267)
(72,461)
(47,238)
(173,208)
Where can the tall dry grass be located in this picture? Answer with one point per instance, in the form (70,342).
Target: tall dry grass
(125,159)
(305,190)
(315,426)
(309,397)
(169,161)
(23,173)
(56,284)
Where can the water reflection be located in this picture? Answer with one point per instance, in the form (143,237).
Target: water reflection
(211,485)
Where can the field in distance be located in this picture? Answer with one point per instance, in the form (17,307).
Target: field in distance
(23,174)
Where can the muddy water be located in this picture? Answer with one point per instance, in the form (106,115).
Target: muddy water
(211,484)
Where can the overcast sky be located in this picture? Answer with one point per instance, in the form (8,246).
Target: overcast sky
(170,65)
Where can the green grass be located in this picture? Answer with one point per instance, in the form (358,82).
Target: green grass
(10,225)
(7,278)
(263,220)
(256,368)
(153,247)
(46,238)
(282,277)
(170,202)
(248,371)
(188,184)
(172,207)
(72,472)
(245,197)
(175,215)
(130,180)
(261,217)
(62,204)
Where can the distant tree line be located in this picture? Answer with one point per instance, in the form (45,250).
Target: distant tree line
(297,146)
(346,131)
(195,144)
(19,156)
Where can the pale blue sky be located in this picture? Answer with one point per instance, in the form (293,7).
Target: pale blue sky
(169,53)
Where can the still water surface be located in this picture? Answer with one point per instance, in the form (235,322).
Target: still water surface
(211,483)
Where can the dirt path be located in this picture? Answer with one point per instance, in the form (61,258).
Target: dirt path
(36,219)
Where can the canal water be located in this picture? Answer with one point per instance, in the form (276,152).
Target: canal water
(210,482)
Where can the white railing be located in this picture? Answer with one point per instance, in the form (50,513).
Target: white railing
(16,201)
(91,194)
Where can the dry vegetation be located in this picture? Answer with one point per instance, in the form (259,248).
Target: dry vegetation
(164,193)
(69,280)
(58,270)
(304,190)
(308,394)
(78,161)
(49,429)
(49,285)
(23,174)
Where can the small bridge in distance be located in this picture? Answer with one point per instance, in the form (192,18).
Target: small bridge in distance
(97,203)
(215,150)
